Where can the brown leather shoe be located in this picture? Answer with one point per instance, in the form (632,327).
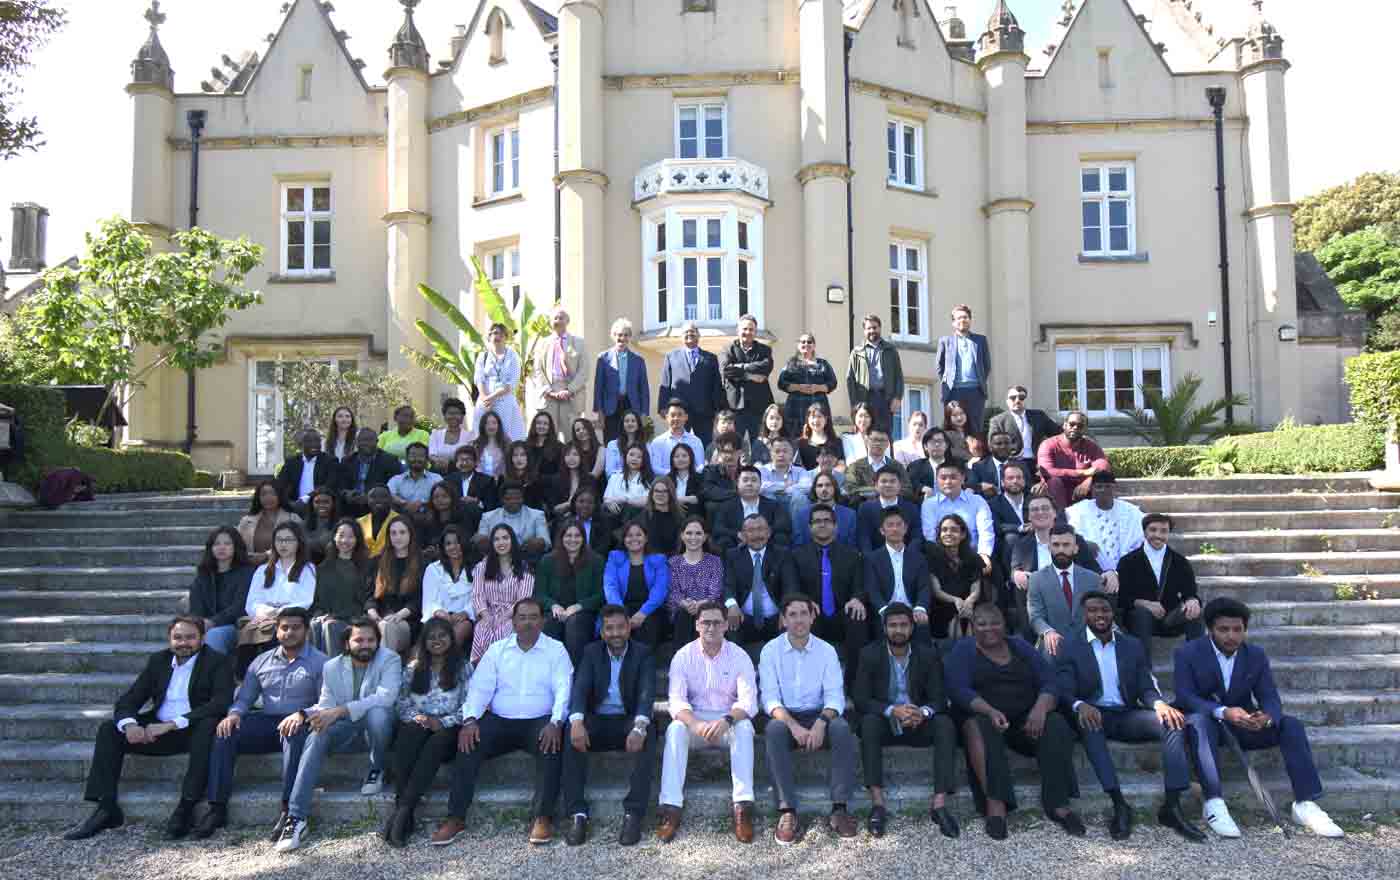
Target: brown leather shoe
(842,824)
(743,822)
(788,829)
(668,822)
(448,831)
(542,831)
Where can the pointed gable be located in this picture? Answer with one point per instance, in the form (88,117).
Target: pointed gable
(1106,65)
(900,44)
(307,36)
(505,52)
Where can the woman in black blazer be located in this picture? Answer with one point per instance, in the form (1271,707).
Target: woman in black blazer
(573,475)
(220,587)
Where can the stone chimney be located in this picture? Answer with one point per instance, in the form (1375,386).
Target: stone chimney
(459,40)
(955,35)
(29,237)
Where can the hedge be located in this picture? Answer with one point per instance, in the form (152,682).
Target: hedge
(1375,387)
(46,448)
(1154,461)
(1311,449)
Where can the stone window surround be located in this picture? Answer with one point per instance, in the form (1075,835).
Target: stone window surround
(905,238)
(307,183)
(1168,336)
(1106,253)
(902,121)
(486,190)
(700,101)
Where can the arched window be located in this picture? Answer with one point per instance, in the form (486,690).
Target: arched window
(496,24)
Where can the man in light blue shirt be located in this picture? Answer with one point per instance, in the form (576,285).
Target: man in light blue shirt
(659,450)
(412,488)
(969,507)
(781,479)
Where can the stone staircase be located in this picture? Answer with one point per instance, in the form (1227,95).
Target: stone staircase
(86,592)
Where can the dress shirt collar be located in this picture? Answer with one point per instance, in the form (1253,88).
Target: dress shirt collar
(877,463)
(896,553)
(1155,555)
(175,663)
(789,648)
(625,648)
(1112,637)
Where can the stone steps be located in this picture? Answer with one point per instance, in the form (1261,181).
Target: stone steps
(96,577)
(1247,484)
(186,555)
(95,602)
(1287,564)
(1289,541)
(1272,520)
(93,520)
(1283,501)
(119,537)
(1298,588)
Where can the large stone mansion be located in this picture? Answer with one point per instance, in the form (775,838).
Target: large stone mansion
(808,161)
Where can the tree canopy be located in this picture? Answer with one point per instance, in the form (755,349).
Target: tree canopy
(25,26)
(1370,199)
(1365,266)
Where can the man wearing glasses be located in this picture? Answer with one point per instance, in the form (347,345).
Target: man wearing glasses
(1027,427)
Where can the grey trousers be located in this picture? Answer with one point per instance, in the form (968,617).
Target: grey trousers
(839,741)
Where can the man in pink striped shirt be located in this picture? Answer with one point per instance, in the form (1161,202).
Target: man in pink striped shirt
(712,698)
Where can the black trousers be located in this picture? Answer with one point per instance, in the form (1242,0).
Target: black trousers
(937,735)
(848,636)
(612,424)
(575,633)
(753,634)
(501,736)
(112,748)
(648,633)
(1053,752)
(609,734)
(1144,626)
(418,753)
(682,629)
(748,422)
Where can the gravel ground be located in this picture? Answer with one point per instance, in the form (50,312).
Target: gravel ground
(707,849)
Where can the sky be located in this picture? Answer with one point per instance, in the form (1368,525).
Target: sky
(1337,92)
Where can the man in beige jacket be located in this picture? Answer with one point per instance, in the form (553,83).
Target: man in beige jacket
(557,377)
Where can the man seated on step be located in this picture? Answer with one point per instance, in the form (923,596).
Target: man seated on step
(1157,587)
(359,690)
(190,686)
(1226,687)
(518,700)
(288,681)
(1107,687)
(1108,521)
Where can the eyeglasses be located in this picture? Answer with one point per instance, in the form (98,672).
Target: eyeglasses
(284,539)
(1015,397)
(709,623)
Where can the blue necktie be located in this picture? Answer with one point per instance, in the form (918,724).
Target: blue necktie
(760,589)
(694,358)
(828,597)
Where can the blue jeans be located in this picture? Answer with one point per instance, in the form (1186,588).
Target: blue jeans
(256,735)
(222,638)
(375,729)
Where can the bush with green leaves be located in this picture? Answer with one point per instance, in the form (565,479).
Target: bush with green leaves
(1175,420)
(1154,461)
(1311,449)
(313,389)
(1374,380)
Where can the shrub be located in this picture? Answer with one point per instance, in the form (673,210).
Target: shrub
(203,480)
(1309,449)
(1154,461)
(1375,387)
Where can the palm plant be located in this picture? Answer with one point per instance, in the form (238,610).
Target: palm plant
(1175,420)
(524,324)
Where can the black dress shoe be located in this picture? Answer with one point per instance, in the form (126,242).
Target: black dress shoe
(212,821)
(996,827)
(396,826)
(879,818)
(1071,823)
(1120,827)
(1172,817)
(180,821)
(947,825)
(277,827)
(631,830)
(403,828)
(101,819)
(578,831)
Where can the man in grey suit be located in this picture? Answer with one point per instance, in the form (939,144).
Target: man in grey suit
(691,374)
(1056,593)
(358,692)
(964,362)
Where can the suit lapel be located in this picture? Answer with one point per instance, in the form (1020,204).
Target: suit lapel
(1124,672)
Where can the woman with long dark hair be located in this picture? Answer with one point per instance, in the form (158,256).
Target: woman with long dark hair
(433,688)
(956,426)
(697,576)
(627,489)
(490,443)
(633,433)
(341,588)
(520,468)
(543,444)
(498,582)
(910,449)
(638,581)
(572,476)
(770,427)
(340,436)
(817,434)
(957,578)
(397,602)
(447,588)
(923,474)
(220,587)
(853,442)
(662,517)
(266,512)
(569,587)
(443,510)
(288,580)
(586,439)
(685,478)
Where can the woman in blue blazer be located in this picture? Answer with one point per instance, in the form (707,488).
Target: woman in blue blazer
(638,582)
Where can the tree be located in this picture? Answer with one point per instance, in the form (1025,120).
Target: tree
(1175,420)
(313,389)
(457,364)
(87,323)
(1366,201)
(25,26)
(1365,266)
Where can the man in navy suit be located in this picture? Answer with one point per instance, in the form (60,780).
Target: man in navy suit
(964,362)
(1107,687)
(1221,681)
(896,572)
(757,574)
(619,381)
(691,374)
(870,514)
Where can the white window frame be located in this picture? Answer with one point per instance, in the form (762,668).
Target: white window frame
(509,136)
(899,178)
(917,398)
(897,330)
(1101,202)
(273,392)
(675,254)
(701,106)
(507,283)
(1082,354)
(307,218)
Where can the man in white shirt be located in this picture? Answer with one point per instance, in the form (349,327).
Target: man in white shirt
(801,688)
(1111,523)
(781,478)
(677,433)
(518,700)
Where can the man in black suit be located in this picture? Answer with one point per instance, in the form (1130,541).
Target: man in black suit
(757,574)
(1027,427)
(984,477)
(478,491)
(747,363)
(1157,587)
(691,375)
(871,514)
(900,697)
(614,687)
(719,481)
(1031,552)
(302,474)
(1106,686)
(1011,514)
(190,687)
(370,466)
(897,573)
(728,519)
(834,575)
(598,527)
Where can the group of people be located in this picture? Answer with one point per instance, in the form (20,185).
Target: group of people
(437,598)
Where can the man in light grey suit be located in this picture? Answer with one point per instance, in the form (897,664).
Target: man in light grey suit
(1056,592)
(358,692)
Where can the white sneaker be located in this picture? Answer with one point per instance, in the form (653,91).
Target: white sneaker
(1217,816)
(1312,817)
(293,833)
(374,783)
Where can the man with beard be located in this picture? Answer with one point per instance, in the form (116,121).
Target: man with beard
(370,466)
(190,687)
(1056,593)
(1067,462)
(1109,522)
(874,376)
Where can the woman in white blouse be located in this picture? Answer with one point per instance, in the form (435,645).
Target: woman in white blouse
(683,475)
(443,443)
(633,431)
(447,587)
(911,448)
(628,488)
(288,580)
(497,375)
(490,443)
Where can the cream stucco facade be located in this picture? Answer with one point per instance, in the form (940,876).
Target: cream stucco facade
(1067,196)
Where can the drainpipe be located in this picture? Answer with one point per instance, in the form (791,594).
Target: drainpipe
(196,119)
(558,218)
(850,207)
(1216,96)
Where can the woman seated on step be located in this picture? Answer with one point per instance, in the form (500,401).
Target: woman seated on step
(220,587)
(288,580)
(267,511)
